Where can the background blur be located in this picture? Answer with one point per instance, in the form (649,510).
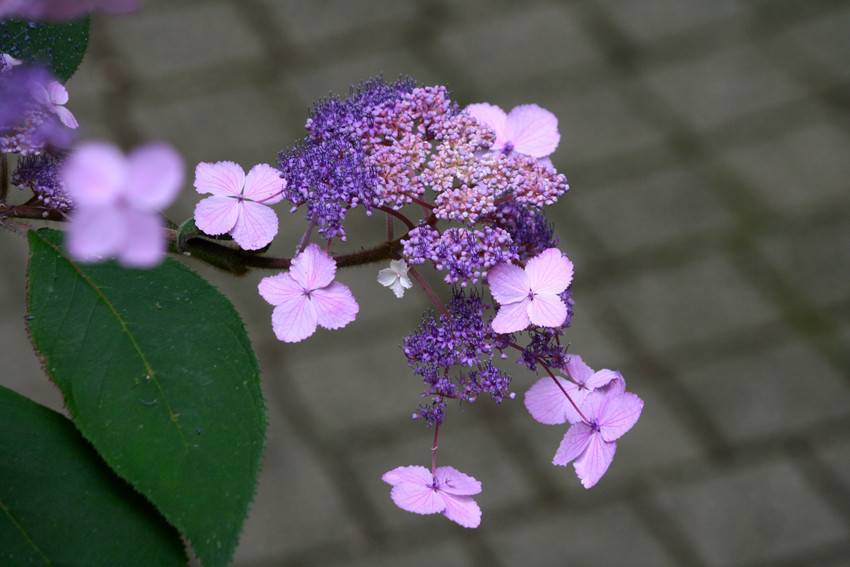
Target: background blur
(707,145)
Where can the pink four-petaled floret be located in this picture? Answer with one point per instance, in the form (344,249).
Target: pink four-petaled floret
(531,295)
(448,491)
(239,204)
(307,296)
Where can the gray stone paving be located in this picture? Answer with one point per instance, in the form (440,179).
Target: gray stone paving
(708,150)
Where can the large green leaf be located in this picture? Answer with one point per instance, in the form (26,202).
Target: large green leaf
(61,505)
(60,46)
(158,373)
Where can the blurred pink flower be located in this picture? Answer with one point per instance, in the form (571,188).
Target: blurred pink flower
(307,296)
(238,205)
(63,9)
(528,129)
(54,96)
(531,295)
(591,442)
(547,403)
(447,491)
(117,201)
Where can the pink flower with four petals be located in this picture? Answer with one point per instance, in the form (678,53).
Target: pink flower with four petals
(307,296)
(530,295)
(591,443)
(54,96)
(528,129)
(547,403)
(117,201)
(448,491)
(239,202)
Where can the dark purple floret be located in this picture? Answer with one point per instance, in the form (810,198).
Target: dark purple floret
(494,382)
(433,413)
(40,174)
(530,231)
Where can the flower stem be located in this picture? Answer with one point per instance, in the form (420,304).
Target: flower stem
(399,216)
(429,291)
(306,238)
(434,448)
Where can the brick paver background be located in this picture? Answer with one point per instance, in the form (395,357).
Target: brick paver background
(707,144)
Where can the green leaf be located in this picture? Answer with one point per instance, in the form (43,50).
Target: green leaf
(61,505)
(60,46)
(159,375)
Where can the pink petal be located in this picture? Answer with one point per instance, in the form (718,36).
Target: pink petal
(57,93)
(533,130)
(66,117)
(602,378)
(578,369)
(492,116)
(547,311)
(616,386)
(462,510)
(550,272)
(222,178)
(96,233)
(412,474)
(593,404)
(508,283)
(511,318)
(452,481)
(155,175)
(94,174)
(335,305)
(216,215)
(40,93)
(294,319)
(575,442)
(417,498)
(313,268)
(255,226)
(264,185)
(618,415)
(144,246)
(279,288)
(595,460)
(547,404)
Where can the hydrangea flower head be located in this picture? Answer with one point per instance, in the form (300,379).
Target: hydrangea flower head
(531,295)
(239,203)
(528,129)
(547,401)
(118,200)
(307,296)
(395,277)
(447,491)
(591,443)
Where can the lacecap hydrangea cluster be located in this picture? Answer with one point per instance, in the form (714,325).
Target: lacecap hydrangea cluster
(479,180)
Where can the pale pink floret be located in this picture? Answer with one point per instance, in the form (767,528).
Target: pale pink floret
(307,296)
(117,201)
(54,96)
(239,202)
(591,444)
(531,295)
(448,491)
(547,403)
(528,129)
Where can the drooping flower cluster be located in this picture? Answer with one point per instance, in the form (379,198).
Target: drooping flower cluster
(453,354)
